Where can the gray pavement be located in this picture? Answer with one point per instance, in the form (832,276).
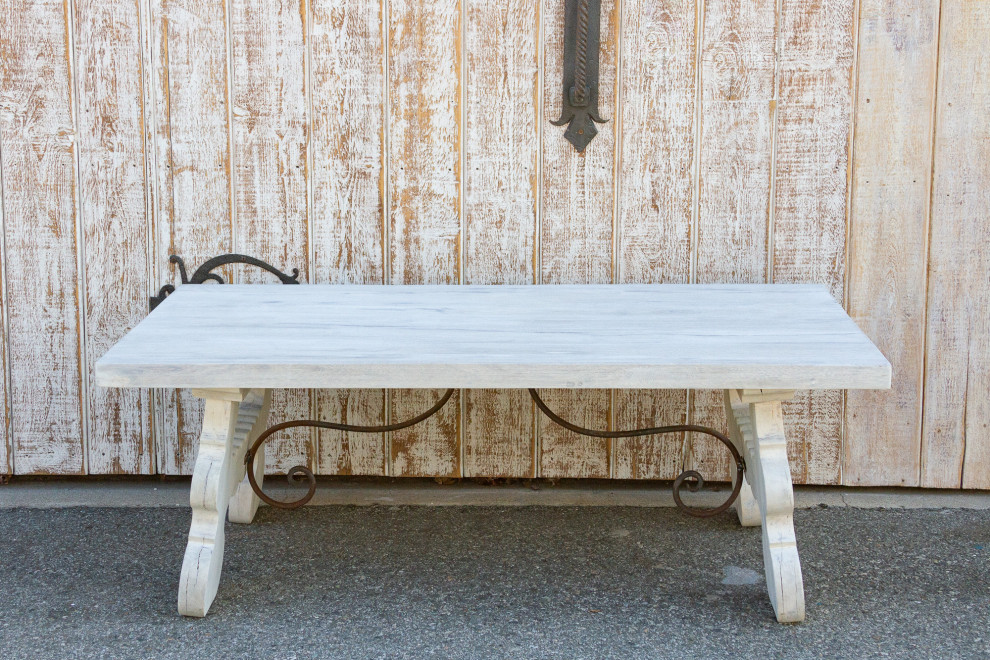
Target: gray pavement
(494,582)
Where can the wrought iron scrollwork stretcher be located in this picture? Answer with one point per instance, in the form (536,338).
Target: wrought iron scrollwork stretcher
(693,478)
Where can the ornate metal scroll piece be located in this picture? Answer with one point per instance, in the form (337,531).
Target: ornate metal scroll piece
(581,45)
(697,481)
(300,472)
(204,273)
(692,477)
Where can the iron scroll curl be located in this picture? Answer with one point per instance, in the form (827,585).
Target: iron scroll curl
(691,478)
(205,273)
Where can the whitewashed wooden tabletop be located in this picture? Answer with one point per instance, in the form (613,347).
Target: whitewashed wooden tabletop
(575,336)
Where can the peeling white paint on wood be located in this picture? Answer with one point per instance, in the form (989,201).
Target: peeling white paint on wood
(501,197)
(655,201)
(348,86)
(195,212)
(378,198)
(115,223)
(40,199)
(270,135)
(424,215)
(811,147)
(576,233)
(737,95)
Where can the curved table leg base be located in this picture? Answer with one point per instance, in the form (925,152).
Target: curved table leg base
(218,470)
(757,421)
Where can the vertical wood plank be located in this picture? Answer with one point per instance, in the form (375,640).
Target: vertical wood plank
(737,88)
(115,222)
(352,453)
(348,123)
(576,235)
(656,193)
(956,440)
(424,222)
(814,118)
(270,126)
(500,204)
(37,142)
(6,455)
(192,150)
(889,233)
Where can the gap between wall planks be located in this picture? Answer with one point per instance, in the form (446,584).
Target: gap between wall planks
(424,215)
(889,227)
(808,238)
(115,223)
(734,199)
(347,100)
(501,197)
(655,201)
(576,236)
(269,135)
(189,65)
(958,342)
(40,197)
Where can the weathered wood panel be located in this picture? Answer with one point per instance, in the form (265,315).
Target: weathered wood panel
(956,440)
(40,196)
(403,111)
(115,222)
(889,233)
(808,241)
(501,194)
(6,455)
(352,453)
(424,189)
(576,226)
(192,148)
(737,96)
(270,133)
(655,200)
(347,55)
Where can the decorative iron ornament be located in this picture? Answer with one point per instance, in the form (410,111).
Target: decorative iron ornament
(204,273)
(582,25)
(693,479)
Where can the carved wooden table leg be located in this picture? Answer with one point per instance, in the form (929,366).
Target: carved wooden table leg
(252,419)
(758,421)
(737,412)
(218,470)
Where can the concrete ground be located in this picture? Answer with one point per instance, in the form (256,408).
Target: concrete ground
(494,582)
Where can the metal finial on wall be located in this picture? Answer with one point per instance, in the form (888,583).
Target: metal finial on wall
(582,26)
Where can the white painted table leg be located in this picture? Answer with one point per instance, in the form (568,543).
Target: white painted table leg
(252,420)
(737,412)
(760,422)
(219,464)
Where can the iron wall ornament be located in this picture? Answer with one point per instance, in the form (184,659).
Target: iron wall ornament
(204,273)
(582,25)
(692,478)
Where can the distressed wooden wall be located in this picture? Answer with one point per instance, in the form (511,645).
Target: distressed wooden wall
(843,142)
